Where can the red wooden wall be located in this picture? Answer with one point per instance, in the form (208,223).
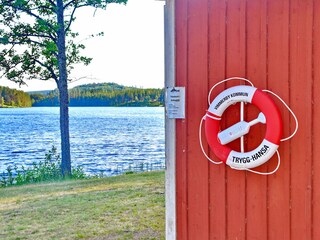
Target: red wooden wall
(275,44)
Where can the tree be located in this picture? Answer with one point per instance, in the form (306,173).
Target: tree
(1,101)
(37,43)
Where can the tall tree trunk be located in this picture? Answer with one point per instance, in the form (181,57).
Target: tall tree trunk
(64,129)
(63,93)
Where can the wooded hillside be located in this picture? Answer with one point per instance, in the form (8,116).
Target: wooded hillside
(104,94)
(14,98)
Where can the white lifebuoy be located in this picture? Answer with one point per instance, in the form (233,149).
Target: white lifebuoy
(268,146)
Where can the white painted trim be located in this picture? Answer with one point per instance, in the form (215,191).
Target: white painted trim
(170,124)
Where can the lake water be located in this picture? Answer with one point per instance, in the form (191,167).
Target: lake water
(108,140)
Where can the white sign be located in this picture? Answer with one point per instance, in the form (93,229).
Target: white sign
(175,102)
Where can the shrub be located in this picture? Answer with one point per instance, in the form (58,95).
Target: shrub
(47,170)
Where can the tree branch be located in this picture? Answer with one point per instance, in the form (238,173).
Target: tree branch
(7,51)
(72,80)
(29,12)
(49,68)
(13,66)
(69,3)
(43,7)
(26,41)
(3,75)
(70,19)
(33,35)
(39,36)
(78,6)
(52,3)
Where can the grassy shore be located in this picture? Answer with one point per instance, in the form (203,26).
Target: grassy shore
(7,106)
(123,207)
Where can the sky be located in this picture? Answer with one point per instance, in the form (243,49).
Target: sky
(130,53)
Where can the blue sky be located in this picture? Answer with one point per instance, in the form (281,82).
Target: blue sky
(131,52)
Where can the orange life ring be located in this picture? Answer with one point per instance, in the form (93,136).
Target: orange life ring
(271,141)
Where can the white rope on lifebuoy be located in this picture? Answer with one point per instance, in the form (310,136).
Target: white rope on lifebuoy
(201,145)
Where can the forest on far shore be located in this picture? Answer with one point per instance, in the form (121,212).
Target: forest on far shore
(102,94)
(14,98)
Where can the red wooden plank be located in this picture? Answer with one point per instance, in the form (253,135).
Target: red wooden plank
(198,215)
(285,205)
(256,71)
(235,66)
(278,81)
(301,17)
(315,125)
(217,19)
(181,125)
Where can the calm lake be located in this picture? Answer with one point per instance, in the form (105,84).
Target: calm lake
(108,140)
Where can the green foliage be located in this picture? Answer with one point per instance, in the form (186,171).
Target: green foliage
(30,34)
(104,94)
(14,98)
(47,170)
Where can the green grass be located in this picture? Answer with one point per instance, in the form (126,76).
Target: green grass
(123,207)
